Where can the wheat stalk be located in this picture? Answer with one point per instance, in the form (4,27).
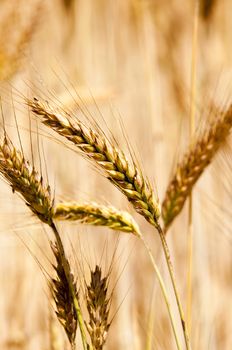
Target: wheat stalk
(123,174)
(97,215)
(97,303)
(193,164)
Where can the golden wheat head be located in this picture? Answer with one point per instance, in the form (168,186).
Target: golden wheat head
(125,175)
(23,179)
(96,215)
(98,308)
(193,164)
(65,309)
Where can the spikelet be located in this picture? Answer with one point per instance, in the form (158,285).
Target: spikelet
(97,215)
(193,165)
(65,309)
(25,180)
(123,174)
(98,309)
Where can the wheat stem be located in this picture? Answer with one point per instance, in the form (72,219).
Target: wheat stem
(192,128)
(173,280)
(190,271)
(164,292)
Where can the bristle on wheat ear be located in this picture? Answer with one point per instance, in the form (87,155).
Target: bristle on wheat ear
(98,304)
(193,164)
(97,215)
(24,179)
(125,175)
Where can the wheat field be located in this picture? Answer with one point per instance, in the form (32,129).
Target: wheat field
(115,153)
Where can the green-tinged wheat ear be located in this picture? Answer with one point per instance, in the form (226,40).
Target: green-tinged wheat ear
(193,164)
(125,175)
(97,303)
(65,309)
(24,179)
(97,215)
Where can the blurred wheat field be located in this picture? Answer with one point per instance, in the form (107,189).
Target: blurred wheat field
(128,62)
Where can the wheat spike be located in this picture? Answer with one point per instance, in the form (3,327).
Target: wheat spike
(98,308)
(25,180)
(193,164)
(97,215)
(123,174)
(65,309)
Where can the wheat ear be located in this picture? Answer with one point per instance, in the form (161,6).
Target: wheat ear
(193,165)
(123,174)
(98,304)
(65,310)
(25,180)
(97,215)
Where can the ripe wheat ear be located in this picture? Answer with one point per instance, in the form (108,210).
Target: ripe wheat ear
(193,164)
(24,179)
(62,296)
(97,215)
(98,305)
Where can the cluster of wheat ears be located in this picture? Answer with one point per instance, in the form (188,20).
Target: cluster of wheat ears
(125,174)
